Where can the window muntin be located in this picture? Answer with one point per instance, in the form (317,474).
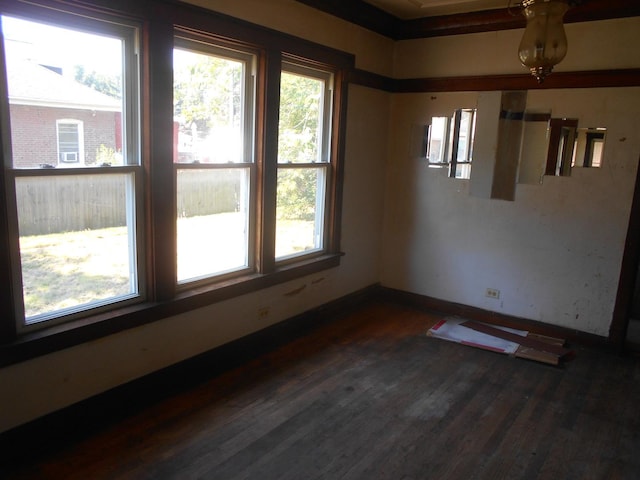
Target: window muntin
(303,160)
(214,98)
(68,107)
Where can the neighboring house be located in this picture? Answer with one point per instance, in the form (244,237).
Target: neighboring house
(58,122)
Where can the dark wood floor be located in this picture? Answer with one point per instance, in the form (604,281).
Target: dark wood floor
(370,396)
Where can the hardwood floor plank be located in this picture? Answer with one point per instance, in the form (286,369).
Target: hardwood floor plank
(367,395)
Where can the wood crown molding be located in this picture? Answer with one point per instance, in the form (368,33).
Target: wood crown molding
(379,21)
(585,79)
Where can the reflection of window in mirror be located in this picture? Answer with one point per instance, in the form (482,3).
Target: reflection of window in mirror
(562,137)
(436,145)
(450,142)
(589,147)
(534,148)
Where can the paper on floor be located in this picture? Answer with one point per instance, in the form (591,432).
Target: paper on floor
(451,329)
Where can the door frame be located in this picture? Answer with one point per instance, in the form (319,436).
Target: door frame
(628,272)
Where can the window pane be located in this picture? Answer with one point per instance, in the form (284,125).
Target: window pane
(77,233)
(465,138)
(437,134)
(301,119)
(65,96)
(209,109)
(76,242)
(300,210)
(213,221)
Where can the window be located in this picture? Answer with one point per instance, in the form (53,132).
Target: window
(303,160)
(450,142)
(155,163)
(70,142)
(214,98)
(77,228)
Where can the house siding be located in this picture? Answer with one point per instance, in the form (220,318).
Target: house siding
(34,135)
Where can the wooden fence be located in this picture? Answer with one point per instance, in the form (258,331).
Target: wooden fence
(56,204)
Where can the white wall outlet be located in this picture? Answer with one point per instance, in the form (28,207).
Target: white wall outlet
(493,293)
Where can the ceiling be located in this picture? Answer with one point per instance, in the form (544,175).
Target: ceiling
(411,9)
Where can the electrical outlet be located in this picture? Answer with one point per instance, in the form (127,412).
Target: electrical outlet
(263,312)
(493,293)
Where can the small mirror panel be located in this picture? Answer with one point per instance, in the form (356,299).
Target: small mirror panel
(535,145)
(562,137)
(589,147)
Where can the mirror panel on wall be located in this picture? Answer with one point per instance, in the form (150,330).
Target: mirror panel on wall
(562,137)
(514,144)
(534,147)
(450,142)
(589,147)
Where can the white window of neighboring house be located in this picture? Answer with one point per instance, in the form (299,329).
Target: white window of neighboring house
(303,159)
(77,229)
(70,143)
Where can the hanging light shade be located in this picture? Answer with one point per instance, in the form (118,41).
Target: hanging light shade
(544,43)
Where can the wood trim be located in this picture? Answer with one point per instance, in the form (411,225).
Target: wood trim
(268,187)
(460,24)
(371,18)
(628,271)
(504,19)
(361,13)
(371,80)
(495,318)
(338,148)
(161,184)
(7,244)
(586,79)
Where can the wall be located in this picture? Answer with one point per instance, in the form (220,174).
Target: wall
(555,252)
(35,137)
(36,387)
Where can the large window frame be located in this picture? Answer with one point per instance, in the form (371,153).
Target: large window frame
(244,164)
(320,163)
(161,295)
(129,174)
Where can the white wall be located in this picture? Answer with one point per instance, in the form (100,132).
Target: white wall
(555,252)
(45,384)
(373,52)
(592,46)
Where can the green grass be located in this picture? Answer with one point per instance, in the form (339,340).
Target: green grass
(71,269)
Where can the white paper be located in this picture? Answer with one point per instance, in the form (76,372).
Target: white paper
(451,329)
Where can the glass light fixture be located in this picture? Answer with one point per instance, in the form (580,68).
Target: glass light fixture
(544,43)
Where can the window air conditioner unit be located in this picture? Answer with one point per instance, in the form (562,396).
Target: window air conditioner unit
(70,157)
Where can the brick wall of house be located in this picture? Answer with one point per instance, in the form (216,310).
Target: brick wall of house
(34,135)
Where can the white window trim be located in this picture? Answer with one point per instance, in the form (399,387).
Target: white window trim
(132,164)
(80,126)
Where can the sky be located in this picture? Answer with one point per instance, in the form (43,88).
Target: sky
(61,47)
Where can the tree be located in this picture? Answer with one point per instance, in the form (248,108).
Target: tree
(107,84)
(207,91)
